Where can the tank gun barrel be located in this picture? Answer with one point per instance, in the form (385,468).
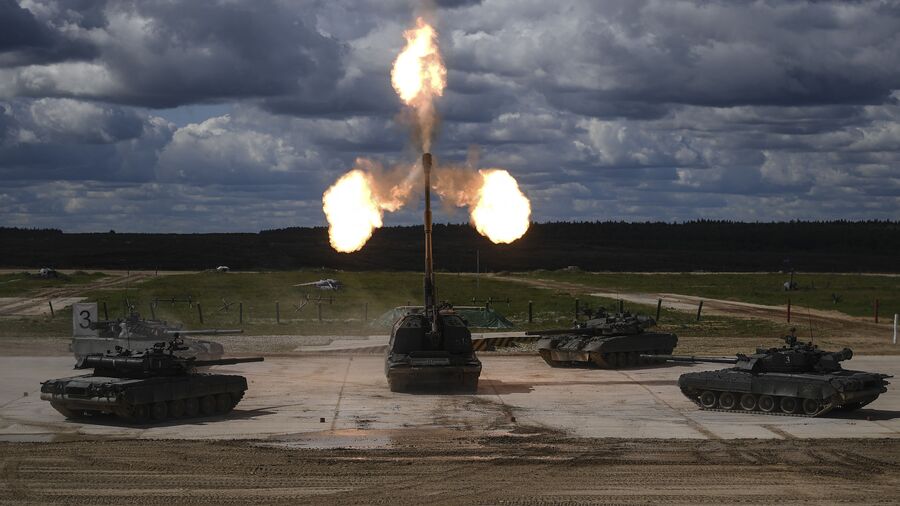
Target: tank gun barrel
(205,332)
(692,359)
(588,331)
(227,361)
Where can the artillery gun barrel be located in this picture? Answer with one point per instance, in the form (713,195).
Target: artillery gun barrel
(227,361)
(691,358)
(205,332)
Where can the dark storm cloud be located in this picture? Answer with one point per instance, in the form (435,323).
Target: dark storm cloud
(24,40)
(601,109)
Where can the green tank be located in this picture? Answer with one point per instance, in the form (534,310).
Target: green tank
(797,379)
(609,341)
(151,386)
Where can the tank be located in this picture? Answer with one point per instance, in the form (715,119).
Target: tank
(430,347)
(153,385)
(797,379)
(134,332)
(610,341)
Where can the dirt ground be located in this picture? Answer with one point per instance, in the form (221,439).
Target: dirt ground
(538,469)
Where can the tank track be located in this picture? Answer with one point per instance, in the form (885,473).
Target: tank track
(151,413)
(825,408)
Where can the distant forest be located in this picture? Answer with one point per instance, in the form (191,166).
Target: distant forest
(837,246)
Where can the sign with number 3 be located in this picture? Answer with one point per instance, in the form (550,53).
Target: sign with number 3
(84,315)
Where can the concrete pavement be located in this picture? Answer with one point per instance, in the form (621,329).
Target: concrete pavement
(290,396)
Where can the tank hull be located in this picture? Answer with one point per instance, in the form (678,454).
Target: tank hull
(793,394)
(607,352)
(143,400)
(411,378)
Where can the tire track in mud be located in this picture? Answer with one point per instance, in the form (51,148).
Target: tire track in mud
(546,469)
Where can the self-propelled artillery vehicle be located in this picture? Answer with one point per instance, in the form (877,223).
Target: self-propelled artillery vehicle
(431,348)
(796,379)
(153,385)
(611,341)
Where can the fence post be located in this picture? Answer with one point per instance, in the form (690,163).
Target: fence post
(621,306)
(789,310)
(152,311)
(241,313)
(699,309)
(105,312)
(895,327)
(277,313)
(200,313)
(658,308)
(577,302)
(876,310)
(530,311)
(51,308)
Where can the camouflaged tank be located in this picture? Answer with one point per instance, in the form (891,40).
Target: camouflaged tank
(155,385)
(797,379)
(134,332)
(611,341)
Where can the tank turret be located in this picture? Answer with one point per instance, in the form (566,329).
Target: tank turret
(794,357)
(156,384)
(603,324)
(795,379)
(161,360)
(607,340)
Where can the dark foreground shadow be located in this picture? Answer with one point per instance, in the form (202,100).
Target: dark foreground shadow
(114,421)
(869,414)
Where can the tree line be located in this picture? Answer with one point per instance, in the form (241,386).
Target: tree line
(832,246)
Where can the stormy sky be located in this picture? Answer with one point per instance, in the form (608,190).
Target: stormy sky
(235,115)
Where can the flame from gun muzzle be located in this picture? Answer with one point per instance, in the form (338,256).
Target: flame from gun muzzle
(419,75)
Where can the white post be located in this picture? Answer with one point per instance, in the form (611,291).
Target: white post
(895,327)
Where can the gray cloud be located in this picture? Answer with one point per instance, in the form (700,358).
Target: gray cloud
(603,110)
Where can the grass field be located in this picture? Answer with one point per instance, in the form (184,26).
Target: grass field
(19,283)
(853,294)
(366,295)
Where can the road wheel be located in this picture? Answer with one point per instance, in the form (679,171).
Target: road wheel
(634,359)
(223,403)
(140,413)
(159,411)
(727,400)
(176,408)
(748,402)
(191,407)
(788,405)
(208,405)
(811,406)
(708,399)
(766,403)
